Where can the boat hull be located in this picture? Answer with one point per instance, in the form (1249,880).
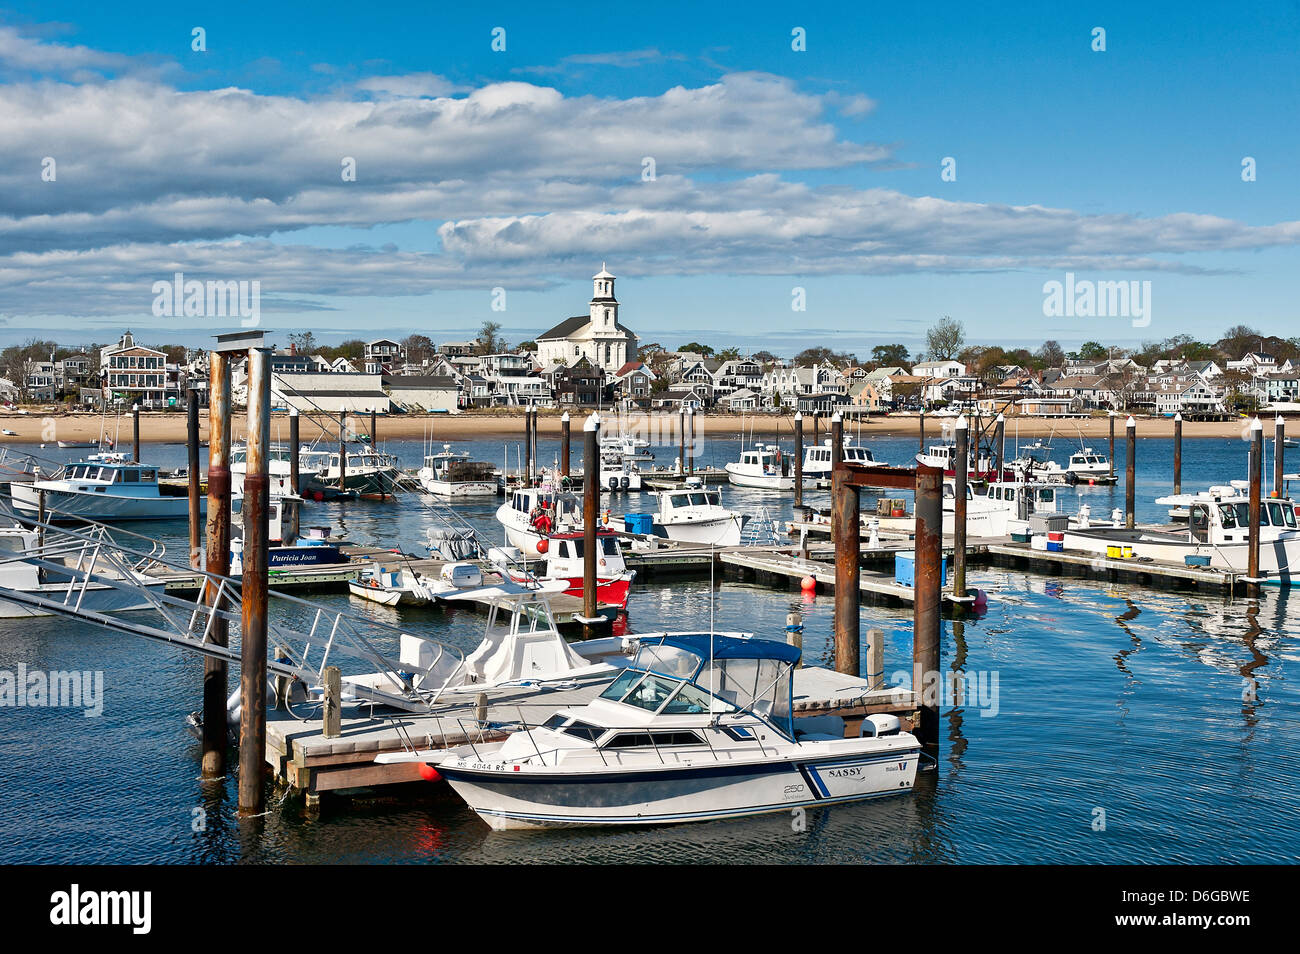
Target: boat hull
(701,791)
(722,532)
(464,488)
(761,481)
(1279,559)
(62,504)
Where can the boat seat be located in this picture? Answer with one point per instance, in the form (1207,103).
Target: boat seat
(819,728)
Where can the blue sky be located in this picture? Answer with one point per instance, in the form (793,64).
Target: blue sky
(774,168)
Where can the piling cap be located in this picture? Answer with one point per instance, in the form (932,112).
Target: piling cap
(592,422)
(1278,420)
(1111,411)
(293,411)
(1256,425)
(798,415)
(1001,419)
(1130,422)
(836,417)
(565,417)
(1178,416)
(962,424)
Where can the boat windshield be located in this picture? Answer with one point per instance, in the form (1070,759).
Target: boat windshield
(760,685)
(656,693)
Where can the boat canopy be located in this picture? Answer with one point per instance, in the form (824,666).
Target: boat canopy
(705,645)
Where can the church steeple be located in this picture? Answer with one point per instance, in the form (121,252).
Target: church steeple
(604,306)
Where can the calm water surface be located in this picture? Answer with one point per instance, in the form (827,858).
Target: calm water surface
(1117,698)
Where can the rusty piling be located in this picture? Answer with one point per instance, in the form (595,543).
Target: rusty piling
(927,594)
(564,445)
(1256,481)
(217,561)
(959,510)
(1178,453)
(845,533)
(590,512)
(798,459)
(1130,470)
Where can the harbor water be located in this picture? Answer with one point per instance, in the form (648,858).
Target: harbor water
(1106,723)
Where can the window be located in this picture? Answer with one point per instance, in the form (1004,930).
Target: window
(584,730)
(637,740)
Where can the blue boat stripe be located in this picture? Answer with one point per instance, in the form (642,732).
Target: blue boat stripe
(708,770)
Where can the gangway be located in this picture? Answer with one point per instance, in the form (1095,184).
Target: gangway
(303,637)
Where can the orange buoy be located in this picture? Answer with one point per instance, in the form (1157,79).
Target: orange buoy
(429,773)
(808,584)
(543,545)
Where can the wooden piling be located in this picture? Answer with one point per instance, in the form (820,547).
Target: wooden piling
(295,441)
(1178,453)
(564,445)
(845,529)
(332,711)
(1130,470)
(999,439)
(928,592)
(959,509)
(254,585)
(837,439)
(690,441)
(343,451)
(920,437)
(1256,480)
(135,430)
(1279,454)
(1111,417)
(374,431)
(798,459)
(192,474)
(217,561)
(590,512)
(875,674)
(681,441)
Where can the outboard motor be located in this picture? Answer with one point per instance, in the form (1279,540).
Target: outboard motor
(623,483)
(613,483)
(880,725)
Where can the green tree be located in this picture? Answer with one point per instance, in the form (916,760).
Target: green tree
(889,355)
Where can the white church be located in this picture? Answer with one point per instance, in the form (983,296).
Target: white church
(598,336)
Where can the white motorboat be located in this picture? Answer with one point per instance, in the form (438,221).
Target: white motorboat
(1217,535)
(404,586)
(531,513)
(944,455)
(289,544)
(699,727)
(764,468)
(106,490)
(619,473)
(30,567)
(817,459)
(452,474)
(695,514)
(1085,466)
(626,446)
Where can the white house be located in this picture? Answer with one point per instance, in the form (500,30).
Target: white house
(939,369)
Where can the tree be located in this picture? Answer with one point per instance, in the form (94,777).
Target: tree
(1092,351)
(1240,339)
(729,354)
(763,357)
(945,339)
(889,356)
(528,346)
(419,348)
(489,338)
(303,342)
(696,348)
(1051,354)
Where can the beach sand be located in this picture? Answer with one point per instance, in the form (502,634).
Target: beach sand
(37,427)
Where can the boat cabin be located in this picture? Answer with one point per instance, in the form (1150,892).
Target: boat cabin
(687,497)
(1227,520)
(765,460)
(99,477)
(819,458)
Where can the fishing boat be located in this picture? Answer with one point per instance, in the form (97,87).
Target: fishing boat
(67,445)
(619,473)
(695,514)
(944,455)
(530,514)
(31,567)
(452,474)
(369,474)
(1085,466)
(764,468)
(699,727)
(817,459)
(104,488)
(279,463)
(1217,535)
(626,446)
(563,562)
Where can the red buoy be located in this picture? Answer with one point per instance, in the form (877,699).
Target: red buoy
(808,584)
(429,773)
(543,545)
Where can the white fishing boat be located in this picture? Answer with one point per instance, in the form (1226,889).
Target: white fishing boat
(699,727)
(944,455)
(453,474)
(695,514)
(817,459)
(531,513)
(626,446)
(279,461)
(289,545)
(1085,466)
(1217,535)
(369,474)
(763,468)
(619,474)
(30,567)
(103,488)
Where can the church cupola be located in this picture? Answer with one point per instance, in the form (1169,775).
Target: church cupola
(604,306)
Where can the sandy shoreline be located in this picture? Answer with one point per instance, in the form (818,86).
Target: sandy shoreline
(169,427)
